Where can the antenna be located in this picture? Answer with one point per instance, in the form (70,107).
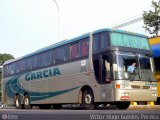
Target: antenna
(58,17)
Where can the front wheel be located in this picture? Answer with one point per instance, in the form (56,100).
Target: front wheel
(17,102)
(122,105)
(158,100)
(26,102)
(88,100)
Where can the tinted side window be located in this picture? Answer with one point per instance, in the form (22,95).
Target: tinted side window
(11,69)
(74,51)
(66,52)
(42,59)
(100,41)
(60,55)
(50,57)
(96,42)
(28,63)
(103,40)
(84,47)
(20,66)
(35,61)
(6,72)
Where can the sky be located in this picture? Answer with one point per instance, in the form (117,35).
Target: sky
(28,25)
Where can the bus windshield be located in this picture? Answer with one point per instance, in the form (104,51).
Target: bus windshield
(132,66)
(145,68)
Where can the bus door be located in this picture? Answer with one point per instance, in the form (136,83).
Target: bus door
(105,71)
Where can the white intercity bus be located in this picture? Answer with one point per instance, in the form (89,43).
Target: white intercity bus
(88,70)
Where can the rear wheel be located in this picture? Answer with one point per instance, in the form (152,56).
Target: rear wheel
(88,100)
(17,102)
(122,105)
(26,102)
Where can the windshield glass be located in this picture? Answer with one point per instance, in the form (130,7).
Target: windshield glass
(123,66)
(145,68)
(144,62)
(132,66)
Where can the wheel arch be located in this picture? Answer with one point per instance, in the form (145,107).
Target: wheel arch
(85,87)
(26,93)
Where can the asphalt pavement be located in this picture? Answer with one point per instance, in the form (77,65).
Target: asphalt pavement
(108,113)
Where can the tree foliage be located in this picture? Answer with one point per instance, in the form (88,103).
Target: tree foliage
(151,19)
(4,57)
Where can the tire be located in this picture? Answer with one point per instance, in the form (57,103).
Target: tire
(158,100)
(88,100)
(26,102)
(17,102)
(122,105)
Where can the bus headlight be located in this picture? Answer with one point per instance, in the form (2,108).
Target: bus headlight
(154,95)
(153,88)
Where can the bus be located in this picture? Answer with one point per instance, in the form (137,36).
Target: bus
(88,70)
(155,46)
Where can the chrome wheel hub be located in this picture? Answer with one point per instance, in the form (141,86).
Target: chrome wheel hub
(88,99)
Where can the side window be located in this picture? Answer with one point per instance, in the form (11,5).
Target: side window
(35,62)
(60,55)
(100,41)
(103,39)
(84,47)
(5,68)
(74,51)
(29,63)
(11,69)
(42,59)
(55,56)
(17,67)
(50,57)
(66,53)
(107,66)
(96,42)
(20,66)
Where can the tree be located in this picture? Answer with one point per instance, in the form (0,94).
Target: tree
(4,57)
(151,19)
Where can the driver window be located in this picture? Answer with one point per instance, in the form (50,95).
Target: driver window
(108,69)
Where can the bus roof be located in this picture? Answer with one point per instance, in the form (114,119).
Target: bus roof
(119,31)
(64,42)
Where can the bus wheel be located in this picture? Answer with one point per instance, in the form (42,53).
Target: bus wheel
(88,100)
(122,105)
(26,102)
(17,102)
(158,100)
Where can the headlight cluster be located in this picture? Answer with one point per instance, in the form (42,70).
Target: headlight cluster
(154,94)
(153,88)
